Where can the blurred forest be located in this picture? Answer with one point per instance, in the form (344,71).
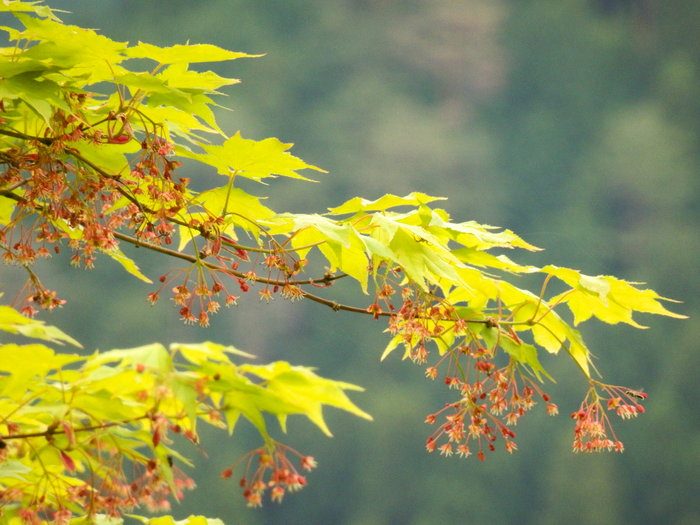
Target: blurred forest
(575,123)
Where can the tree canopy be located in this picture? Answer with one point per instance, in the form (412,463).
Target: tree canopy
(93,133)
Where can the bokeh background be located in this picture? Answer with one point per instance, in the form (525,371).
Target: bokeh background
(575,123)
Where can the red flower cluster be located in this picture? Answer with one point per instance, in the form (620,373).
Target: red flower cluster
(491,399)
(61,196)
(489,404)
(592,422)
(270,468)
(108,491)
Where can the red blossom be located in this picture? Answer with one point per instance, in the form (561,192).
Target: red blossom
(119,139)
(593,430)
(68,462)
(274,471)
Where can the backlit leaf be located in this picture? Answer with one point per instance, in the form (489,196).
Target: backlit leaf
(14,322)
(14,469)
(111,158)
(7,208)
(18,7)
(23,362)
(417,251)
(153,356)
(608,298)
(358,204)
(307,392)
(337,241)
(254,159)
(523,353)
(128,264)
(179,76)
(480,236)
(190,53)
(198,353)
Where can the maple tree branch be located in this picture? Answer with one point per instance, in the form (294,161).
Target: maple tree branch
(47,141)
(54,431)
(326,279)
(335,306)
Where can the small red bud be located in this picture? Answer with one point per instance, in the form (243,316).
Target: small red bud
(119,139)
(67,461)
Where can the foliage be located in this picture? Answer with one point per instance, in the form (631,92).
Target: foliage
(92,148)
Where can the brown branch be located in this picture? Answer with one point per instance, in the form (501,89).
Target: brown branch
(326,279)
(47,141)
(54,431)
(10,195)
(337,306)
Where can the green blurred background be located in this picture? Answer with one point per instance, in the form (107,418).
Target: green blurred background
(576,123)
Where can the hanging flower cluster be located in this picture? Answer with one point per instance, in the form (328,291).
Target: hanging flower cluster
(593,431)
(270,468)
